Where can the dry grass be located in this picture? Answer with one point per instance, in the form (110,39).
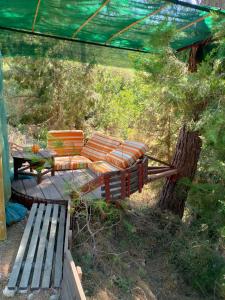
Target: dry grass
(131,260)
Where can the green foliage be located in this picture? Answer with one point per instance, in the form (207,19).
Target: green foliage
(123,283)
(149,104)
(48,93)
(200,265)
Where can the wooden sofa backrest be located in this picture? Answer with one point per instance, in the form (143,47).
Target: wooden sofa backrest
(65,142)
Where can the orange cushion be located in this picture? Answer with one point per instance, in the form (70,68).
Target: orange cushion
(65,142)
(120,159)
(102,167)
(136,149)
(98,146)
(71,162)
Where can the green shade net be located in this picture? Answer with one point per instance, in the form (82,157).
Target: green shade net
(120,24)
(4,147)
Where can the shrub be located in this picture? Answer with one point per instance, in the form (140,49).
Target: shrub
(199,263)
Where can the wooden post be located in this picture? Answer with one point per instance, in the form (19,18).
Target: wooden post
(2,205)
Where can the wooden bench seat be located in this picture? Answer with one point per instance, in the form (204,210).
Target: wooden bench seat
(39,261)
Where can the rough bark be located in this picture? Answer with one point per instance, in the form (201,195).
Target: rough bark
(174,193)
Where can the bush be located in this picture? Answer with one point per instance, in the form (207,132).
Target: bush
(199,263)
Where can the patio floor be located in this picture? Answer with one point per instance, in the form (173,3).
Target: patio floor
(56,188)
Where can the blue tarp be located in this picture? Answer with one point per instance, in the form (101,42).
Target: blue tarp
(15,212)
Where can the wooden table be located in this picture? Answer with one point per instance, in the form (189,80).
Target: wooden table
(38,164)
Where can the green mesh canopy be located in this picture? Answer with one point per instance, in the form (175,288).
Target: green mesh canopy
(123,24)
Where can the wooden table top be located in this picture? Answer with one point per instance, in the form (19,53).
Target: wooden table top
(28,154)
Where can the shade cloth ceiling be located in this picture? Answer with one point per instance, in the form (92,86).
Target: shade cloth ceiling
(123,24)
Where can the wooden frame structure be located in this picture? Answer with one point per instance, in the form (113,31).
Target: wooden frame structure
(116,185)
(121,184)
(2,204)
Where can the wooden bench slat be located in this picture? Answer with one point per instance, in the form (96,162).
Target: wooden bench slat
(35,284)
(59,249)
(20,255)
(50,250)
(32,249)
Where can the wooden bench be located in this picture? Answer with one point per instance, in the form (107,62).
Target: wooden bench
(39,261)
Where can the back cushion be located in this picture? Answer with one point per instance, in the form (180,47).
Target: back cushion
(136,149)
(120,159)
(126,154)
(65,142)
(98,146)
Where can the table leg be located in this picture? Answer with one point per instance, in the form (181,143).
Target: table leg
(52,167)
(38,177)
(16,167)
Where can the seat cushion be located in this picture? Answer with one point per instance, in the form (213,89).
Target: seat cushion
(120,159)
(136,149)
(65,142)
(98,146)
(102,167)
(71,162)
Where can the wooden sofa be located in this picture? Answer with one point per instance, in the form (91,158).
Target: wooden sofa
(120,167)
(101,153)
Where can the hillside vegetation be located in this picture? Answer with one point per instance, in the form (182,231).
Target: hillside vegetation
(138,251)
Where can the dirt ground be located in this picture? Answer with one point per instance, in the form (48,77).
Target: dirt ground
(8,250)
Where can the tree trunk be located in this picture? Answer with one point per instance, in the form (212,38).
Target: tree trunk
(174,192)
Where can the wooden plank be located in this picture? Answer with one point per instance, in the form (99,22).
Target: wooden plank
(156,171)
(68,292)
(112,192)
(59,249)
(195,22)
(36,14)
(60,186)
(90,18)
(32,189)
(66,244)
(48,189)
(32,249)
(71,278)
(2,204)
(135,23)
(18,186)
(50,250)
(158,168)
(159,161)
(161,175)
(35,284)
(20,254)
(66,175)
(118,183)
